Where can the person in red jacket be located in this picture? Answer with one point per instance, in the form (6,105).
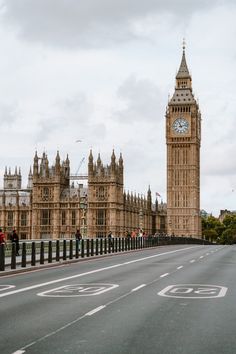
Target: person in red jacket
(2,238)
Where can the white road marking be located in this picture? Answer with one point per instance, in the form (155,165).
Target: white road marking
(76,290)
(201,257)
(193,291)
(164,275)
(192,261)
(90,313)
(6,287)
(207,254)
(180,267)
(138,287)
(91,272)
(19,352)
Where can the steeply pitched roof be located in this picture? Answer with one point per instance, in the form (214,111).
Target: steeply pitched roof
(183,72)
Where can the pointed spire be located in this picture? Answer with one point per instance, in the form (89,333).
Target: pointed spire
(99,160)
(91,156)
(113,157)
(121,160)
(183,72)
(16,170)
(5,170)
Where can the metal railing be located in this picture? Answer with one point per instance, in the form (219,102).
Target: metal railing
(41,252)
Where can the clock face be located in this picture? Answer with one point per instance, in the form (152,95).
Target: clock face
(180,125)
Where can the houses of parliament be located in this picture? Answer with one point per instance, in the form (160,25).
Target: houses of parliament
(51,206)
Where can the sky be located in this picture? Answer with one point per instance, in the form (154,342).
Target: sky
(101,72)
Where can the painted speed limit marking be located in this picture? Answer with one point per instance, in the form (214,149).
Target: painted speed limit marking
(193,291)
(76,290)
(6,287)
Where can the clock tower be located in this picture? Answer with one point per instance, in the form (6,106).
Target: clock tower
(183,138)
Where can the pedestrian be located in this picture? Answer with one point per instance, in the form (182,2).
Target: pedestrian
(78,235)
(15,239)
(2,238)
(110,236)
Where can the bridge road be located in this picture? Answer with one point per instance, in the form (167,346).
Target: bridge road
(171,299)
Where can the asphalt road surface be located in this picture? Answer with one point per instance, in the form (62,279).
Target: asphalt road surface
(168,300)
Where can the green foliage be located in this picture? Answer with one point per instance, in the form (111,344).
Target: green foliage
(222,232)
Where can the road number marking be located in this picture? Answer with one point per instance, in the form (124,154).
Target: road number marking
(6,287)
(76,290)
(194,291)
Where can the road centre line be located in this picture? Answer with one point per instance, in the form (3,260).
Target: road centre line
(90,313)
(36,286)
(201,257)
(138,287)
(180,267)
(164,275)
(192,261)
(19,352)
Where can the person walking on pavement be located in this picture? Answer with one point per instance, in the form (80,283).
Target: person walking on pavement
(2,238)
(78,235)
(15,239)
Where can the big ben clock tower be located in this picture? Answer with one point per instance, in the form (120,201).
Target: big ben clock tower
(183,138)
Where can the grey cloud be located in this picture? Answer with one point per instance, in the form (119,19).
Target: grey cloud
(74,23)
(73,116)
(8,114)
(142,99)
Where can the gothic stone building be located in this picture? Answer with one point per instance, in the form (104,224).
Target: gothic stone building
(52,207)
(111,209)
(49,207)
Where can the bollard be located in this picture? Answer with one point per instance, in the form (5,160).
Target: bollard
(87,247)
(2,257)
(119,244)
(41,252)
(23,255)
(129,243)
(64,250)
(71,250)
(109,245)
(33,254)
(57,250)
(105,246)
(13,256)
(126,244)
(82,248)
(123,244)
(92,247)
(77,248)
(96,252)
(101,246)
(50,251)
(116,245)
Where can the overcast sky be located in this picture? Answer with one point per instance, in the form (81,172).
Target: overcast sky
(101,71)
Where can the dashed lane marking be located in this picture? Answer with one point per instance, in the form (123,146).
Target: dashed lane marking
(164,275)
(90,313)
(138,287)
(180,267)
(192,261)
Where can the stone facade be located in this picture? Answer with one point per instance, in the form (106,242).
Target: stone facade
(52,207)
(111,209)
(183,138)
